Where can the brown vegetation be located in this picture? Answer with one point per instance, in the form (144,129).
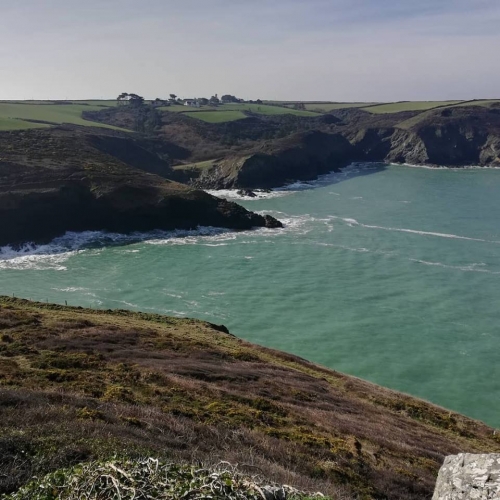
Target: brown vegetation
(79,384)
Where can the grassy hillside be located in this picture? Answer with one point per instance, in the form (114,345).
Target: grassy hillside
(78,385)
(332,106)
(397,107)
(219,116)
(16,116)
(234,111)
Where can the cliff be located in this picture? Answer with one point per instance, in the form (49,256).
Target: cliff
(452,137)
(67,179)
(78,386)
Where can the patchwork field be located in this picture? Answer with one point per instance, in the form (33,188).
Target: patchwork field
(326,107)
(217,116)
(396,107)
(17,116)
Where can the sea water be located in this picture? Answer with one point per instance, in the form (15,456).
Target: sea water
(388,273)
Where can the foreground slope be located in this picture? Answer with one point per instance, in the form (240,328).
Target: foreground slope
(79,384)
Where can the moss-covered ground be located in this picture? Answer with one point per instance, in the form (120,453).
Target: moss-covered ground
(80,385)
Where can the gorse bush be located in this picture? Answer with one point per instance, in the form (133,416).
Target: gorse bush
(151,479)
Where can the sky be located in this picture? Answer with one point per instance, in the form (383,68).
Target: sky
(332,50)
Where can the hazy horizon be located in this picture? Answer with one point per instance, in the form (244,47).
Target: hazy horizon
(320,50)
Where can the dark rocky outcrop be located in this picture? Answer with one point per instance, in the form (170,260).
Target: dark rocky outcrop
(300,157)
(451,137)
(58,180)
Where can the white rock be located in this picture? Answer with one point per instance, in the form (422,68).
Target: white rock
(467,476)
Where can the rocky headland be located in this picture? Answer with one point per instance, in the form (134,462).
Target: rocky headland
(73,178)
(454,137)
(63,179)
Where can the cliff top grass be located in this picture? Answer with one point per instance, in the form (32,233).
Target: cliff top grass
(234,111)
(80,385)
(26,115)
(397,107)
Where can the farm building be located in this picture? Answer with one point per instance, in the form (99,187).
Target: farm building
(194,103)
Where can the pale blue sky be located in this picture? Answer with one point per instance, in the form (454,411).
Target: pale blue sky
(345,50)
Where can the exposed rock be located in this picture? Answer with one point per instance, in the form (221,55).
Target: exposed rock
(303,157)
(467,476)
(246,192)
(56,181)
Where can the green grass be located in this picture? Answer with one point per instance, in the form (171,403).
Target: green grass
(15,124)
(264,109)
(217,116)
(397,107)
(232,112)
(325,107)
(180,108)
(97,102)
(14,116)
(479,102)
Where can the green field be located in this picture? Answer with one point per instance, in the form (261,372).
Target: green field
(264,109)
(397,107)
(234,111)
(16,116)
(180,108)
(217,116)
(480,102)
(326,107)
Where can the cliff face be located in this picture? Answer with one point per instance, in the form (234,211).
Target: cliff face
(450,137)
(57,181)
(300,157)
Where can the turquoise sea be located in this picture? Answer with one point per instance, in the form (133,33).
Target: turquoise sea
(388,273)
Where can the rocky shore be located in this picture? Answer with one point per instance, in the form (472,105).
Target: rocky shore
(453,138)
(57,180)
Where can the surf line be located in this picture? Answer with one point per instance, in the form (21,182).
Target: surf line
(354,222)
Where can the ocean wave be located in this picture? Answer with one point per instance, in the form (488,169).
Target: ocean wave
(323,180)
(354,222)
(232,194)
(52,256)
(475,267)
(440,167)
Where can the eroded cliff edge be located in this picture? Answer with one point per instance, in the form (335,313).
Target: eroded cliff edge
(57,180)
(452,137)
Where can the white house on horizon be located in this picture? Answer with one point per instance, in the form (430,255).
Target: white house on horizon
(193,103)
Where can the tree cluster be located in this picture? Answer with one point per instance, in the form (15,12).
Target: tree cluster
(130,99)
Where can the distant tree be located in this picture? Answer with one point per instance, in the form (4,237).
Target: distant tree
(299,106)
(173,97)
(135,100)
(258,101)
(214,100)
(122,98)
(203,101)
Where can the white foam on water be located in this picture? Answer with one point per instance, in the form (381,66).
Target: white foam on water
(440,167)
(232,194)
(71,289)
(353,222)
(322,180)
(53,256)
(475,267)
